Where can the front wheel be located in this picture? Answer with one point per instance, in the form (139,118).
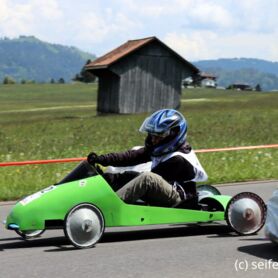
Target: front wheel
(29,234)
(246,213)
(84,225)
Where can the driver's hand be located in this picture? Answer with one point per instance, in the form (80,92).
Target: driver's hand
(92,158)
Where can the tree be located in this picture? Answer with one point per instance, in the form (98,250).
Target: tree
(84,75)
(8,80)
(61,81)
(258,88)
(52,81)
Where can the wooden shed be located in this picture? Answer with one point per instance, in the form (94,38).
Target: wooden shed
(141,75)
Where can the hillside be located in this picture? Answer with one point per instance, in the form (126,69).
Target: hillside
(29,58)
(242,70)
(239,63)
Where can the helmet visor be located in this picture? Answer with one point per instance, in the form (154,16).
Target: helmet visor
(149,127)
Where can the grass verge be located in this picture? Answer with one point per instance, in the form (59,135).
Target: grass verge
(70,128)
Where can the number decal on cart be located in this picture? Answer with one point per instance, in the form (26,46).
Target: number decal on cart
(36,195)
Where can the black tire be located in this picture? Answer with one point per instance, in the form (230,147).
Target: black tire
(30,234)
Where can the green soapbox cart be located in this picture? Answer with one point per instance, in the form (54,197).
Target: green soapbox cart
(83,205)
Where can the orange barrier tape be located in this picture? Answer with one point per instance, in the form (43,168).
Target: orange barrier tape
(20,163)
(64,160)
(237,148)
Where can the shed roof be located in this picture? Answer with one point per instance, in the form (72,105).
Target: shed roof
(128,48)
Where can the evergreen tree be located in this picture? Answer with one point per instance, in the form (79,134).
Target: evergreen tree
(258,88)
(84,75)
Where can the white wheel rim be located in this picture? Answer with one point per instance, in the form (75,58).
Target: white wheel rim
(84,226)
(246,215)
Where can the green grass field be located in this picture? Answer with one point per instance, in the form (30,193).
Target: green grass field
(59,121)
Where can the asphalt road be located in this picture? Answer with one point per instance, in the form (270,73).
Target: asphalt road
(210,250)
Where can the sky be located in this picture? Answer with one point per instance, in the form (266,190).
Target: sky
(196,29)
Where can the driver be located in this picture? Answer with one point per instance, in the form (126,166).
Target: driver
(175,168)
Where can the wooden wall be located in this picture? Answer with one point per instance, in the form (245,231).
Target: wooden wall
(148,80)
(108,92)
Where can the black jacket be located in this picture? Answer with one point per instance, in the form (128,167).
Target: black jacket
(174,169)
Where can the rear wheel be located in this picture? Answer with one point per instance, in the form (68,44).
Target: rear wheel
(206,190)
(29,234)
(246,213)
(84,225)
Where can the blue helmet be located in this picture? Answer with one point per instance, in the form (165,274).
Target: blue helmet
(168,124)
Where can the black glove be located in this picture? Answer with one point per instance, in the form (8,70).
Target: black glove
(92,158)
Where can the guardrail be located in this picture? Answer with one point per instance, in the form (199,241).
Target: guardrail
(65,160)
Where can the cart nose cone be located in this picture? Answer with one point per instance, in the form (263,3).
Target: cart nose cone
(13,227)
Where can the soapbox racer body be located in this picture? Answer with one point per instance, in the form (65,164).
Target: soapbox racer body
(83,204)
